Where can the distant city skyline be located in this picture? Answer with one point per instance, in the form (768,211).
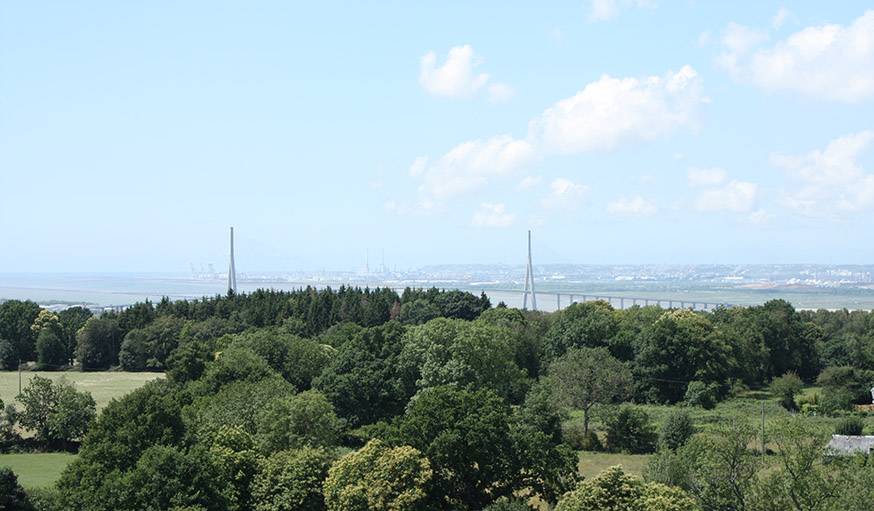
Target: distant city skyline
(618,131)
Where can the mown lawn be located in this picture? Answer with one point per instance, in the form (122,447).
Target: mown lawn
(593,463)
(103,385)
(37,470)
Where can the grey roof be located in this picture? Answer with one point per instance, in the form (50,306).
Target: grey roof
(844,444)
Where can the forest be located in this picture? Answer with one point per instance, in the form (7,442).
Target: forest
(367,399)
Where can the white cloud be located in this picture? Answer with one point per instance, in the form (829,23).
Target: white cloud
(418,166)
(832,62)
(830,181)
(500,93)
(565,194)
(734,197)
(706,177)
(738,40)
(604,114)
(458,77)
(601,10)
(471,164)
(529,182)
(611,110)
(780,18)
(634,206)
(492,215)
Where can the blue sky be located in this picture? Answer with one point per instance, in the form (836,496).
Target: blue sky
(626,131)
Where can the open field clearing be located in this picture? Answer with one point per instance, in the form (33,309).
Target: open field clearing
(37,469)
(103,385)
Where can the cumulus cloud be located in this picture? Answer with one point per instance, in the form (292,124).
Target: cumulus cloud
(472,164)
(565,194)
(706,177)
(611,110)
(733,197)
(831,62)
(492,215)
(633,206)
(458,77)
(603,115)
(601,10)
(830,181)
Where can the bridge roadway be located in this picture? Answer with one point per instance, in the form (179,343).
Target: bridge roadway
(565,298)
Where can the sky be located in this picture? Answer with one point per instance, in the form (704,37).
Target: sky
(133,134)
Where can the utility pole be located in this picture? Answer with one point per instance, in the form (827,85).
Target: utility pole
(763,428)
(529,281)
(19,376)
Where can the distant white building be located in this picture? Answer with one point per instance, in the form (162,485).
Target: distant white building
(843,445)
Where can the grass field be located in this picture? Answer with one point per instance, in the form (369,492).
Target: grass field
(36,470)
(103,386)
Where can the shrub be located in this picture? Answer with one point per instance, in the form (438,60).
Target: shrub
(292,481)
(8,419)
(575,436)
(856,382)
(701,394)
(630,430)
(12,495)
(836,399)
(851,426)
(785,388)
(677,430)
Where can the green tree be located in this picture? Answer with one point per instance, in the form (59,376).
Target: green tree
(8,355)
(72,319)
(418,312)
(378,477)
(584,377)
(51,350)
(681,346)
(292,480)
(168,478)
(582,325)
(12,495)
(630,430)
(785,388)
(305,419)
(465,353)
(801,481)
(98,343)
(677,429)
(613,490)
(719,470)
(55,412)
(16,318)
(237,460)
(235,364)
(476,448)
(365,380)
(238,403)
(133,353)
